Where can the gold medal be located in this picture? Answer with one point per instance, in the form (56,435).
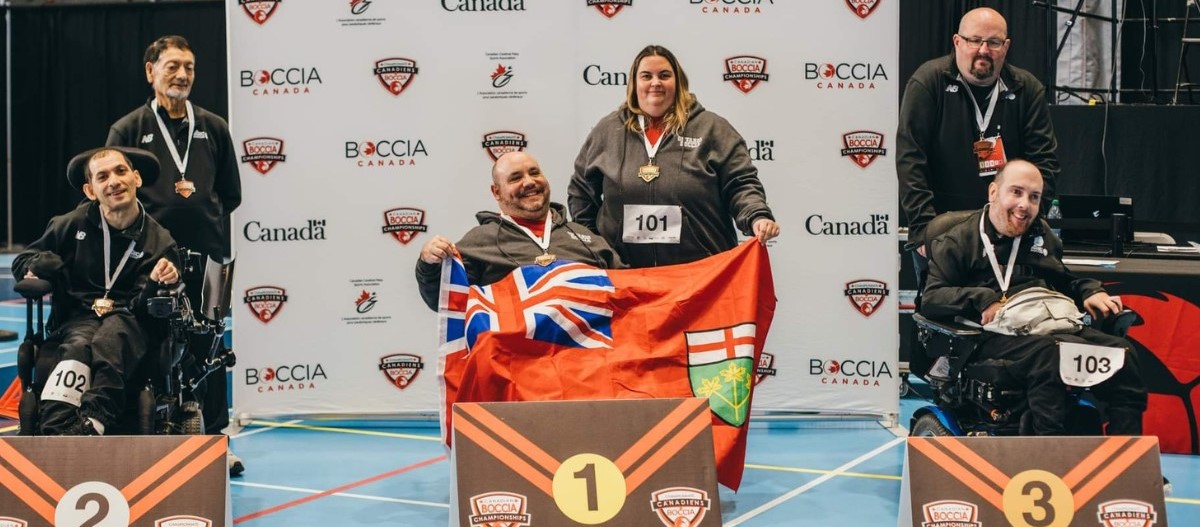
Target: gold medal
(983,148)
(648,172)
(185,188)
(102,306)
(545,259)
(1003,298)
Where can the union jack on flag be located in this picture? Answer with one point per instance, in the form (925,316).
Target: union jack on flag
(565,303)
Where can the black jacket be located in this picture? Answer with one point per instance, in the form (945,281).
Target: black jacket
(935,163)
(493,249)
(70,254)
(201,221)
(961,281)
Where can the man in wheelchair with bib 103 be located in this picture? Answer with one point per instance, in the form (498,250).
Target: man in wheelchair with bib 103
(101,262)
(1001,267)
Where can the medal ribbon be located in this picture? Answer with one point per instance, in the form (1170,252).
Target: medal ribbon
(984,119)
(543,241)
(651,149)
(109,280)
(990,251)
(181,164)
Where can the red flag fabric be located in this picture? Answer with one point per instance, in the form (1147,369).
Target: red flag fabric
(572,331)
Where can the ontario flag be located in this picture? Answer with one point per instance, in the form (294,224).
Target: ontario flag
(572,331)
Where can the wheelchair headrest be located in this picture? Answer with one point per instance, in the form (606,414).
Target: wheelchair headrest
(140,160)
(944,221)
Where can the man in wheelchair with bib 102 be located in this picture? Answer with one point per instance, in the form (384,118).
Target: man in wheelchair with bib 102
(1020,373)
(104,263)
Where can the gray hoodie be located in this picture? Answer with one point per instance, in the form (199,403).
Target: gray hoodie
(705,170)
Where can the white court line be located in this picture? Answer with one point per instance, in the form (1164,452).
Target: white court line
(342,494)
(13,319)
(8,350)
(8,365)
(263,429)
(808,486)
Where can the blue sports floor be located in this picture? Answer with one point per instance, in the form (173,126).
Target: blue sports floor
(395,473)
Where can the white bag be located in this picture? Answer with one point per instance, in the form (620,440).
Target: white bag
(1037,311)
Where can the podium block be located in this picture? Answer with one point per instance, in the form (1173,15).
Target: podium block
(143,481)
(1032,482)
(628,462)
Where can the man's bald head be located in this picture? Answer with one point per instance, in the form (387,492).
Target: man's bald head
(519,186)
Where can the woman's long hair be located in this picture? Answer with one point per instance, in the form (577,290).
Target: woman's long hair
(677,115)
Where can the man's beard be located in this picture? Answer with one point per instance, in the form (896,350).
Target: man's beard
(985,72)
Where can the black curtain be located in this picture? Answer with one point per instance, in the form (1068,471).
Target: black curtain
(77,69)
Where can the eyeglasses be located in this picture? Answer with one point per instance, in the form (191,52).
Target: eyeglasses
(993,44)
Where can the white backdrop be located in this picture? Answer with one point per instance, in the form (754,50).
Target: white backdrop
(332,145)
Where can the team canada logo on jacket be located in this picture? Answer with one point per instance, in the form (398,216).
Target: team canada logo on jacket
(404,224)
(862,147)
(259,10)
(745,72)
(262,153)
(862,8)
(265,302)
(395,74)
(502,142)
(609,8)
(866,295)
(401,368)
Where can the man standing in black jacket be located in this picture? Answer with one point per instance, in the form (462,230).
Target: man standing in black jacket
(963,116)
(200,186)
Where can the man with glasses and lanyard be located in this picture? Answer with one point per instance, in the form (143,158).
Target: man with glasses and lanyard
(200,185)
(963,116)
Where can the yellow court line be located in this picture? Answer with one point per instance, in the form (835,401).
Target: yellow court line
(344,430)
(818,471)
(8,429)
(1185,501)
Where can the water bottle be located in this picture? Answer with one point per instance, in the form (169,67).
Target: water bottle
(1055,214)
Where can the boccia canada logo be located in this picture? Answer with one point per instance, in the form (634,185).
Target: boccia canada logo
(262,153)
(259,10)
(265,302)
(395,74)
(610,8)
(745,72)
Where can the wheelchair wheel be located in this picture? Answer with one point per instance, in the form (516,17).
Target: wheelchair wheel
(192,422)
(928,425)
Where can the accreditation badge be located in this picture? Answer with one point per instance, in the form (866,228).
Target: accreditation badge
(992,159)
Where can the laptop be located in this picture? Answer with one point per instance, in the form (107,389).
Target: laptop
(1097,208)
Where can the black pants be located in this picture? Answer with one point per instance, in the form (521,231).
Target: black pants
(113,346)
(1035,361)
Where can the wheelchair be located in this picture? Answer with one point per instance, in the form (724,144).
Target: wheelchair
(980,397)
(165,400)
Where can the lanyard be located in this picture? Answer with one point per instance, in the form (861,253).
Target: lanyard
(181,164)
(651,149)
(543,242)
(109,280)
(984,119)
(990,251)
